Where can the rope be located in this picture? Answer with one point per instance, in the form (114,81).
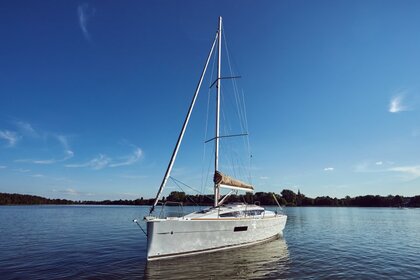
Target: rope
(135,220)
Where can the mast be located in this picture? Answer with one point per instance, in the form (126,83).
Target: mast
(216,154)
(184,126)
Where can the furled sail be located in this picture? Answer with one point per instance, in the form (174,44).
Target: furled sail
(225,181)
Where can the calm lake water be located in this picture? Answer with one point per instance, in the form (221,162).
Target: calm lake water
(102,242)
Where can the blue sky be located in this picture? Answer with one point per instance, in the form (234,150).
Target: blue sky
(93,94)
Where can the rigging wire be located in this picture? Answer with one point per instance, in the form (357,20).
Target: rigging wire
(227,130)
(248,143)
(184,184)
(241,112)
(203,184)
(208,169)
(235,88)
(177,182)
(187,196)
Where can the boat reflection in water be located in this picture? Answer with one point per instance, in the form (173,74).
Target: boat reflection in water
(262,261)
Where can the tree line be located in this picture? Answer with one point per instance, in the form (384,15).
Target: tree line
(285,198)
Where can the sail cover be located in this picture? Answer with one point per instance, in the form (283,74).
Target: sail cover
(225,181)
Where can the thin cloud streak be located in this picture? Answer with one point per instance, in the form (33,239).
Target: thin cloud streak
(130,160)
(72,192)
(102,161)
(373,167)
(396,104)
(10,137)
(26,129)
(412,171)
(97,163)
(21,170)
(68,154)
(329,169)
(133,176)
(85,13)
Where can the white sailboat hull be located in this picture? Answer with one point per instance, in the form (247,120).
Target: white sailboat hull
(219,227)
(168,238)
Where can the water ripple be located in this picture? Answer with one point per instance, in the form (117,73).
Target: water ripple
(97,242)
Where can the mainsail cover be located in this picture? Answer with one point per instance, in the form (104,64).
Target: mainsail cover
(226,181)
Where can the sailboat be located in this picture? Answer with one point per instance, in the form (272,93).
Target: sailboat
(222,226)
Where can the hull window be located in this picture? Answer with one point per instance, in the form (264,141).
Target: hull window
(232,214)
(240,229)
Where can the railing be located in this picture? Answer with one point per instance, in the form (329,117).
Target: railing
(163,214)
(278,204)
(246,210)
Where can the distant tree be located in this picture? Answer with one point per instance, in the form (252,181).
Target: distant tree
(326,201)
(397,201)
(414,201)
(289,196)
(249,198)
(346,201)
(307,201)
(299,198)
(176,196)
(282,201)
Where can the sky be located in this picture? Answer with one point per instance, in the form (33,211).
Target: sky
(93,95)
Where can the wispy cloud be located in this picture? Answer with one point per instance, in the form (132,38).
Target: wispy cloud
(329,169)
(26,129)
(38,176)
(68,154)
(130,159)
(72,192)
(22,170)
(3,166)
(102,161)
(408,172)
(264,178)
(85,13)
(97,163)
(370,166)
(412,172)
(64,142)
(10,137)
(396,104)
(127,176)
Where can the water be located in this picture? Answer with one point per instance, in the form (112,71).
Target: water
(97,242)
